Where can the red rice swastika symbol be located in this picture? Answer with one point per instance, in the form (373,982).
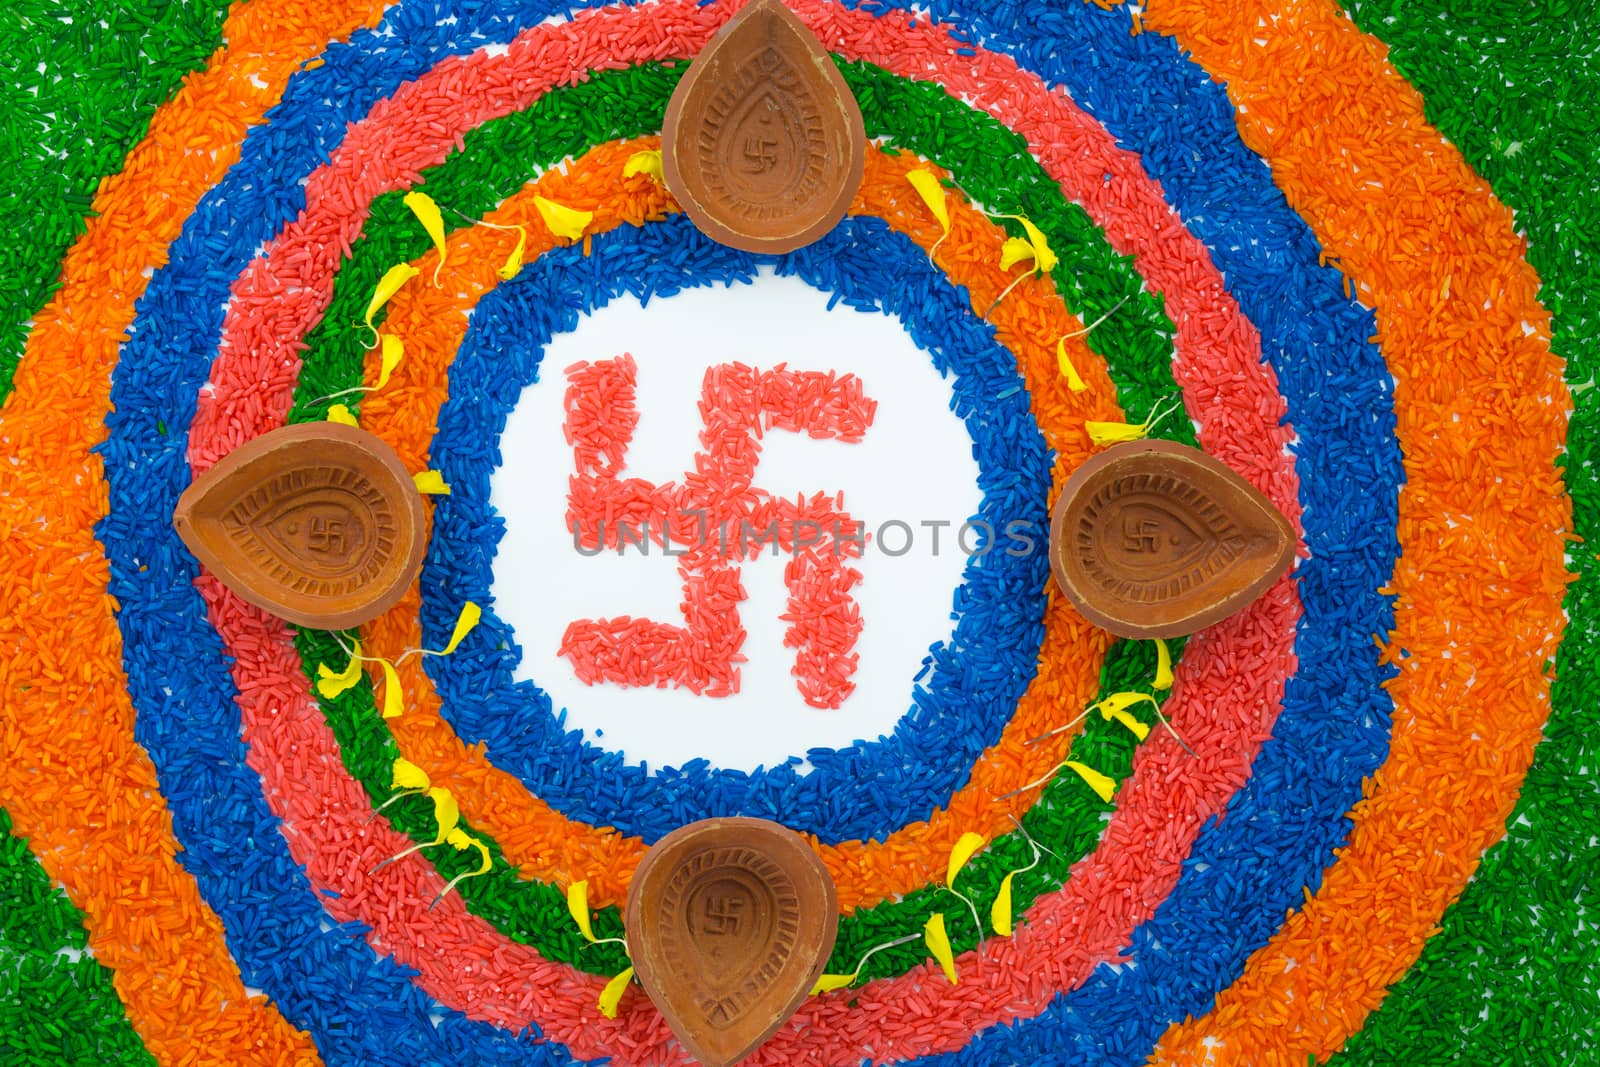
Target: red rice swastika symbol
(718,518)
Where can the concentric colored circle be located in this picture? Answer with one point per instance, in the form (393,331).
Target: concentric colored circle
(433,322)
(421,312)
(1027,958)
(268,287)
(1208,943)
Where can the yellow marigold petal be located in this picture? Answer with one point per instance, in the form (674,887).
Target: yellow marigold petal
(1139,729)
(394,702)
(484,860)
(927,185)
(1110,433)
(611,995)
(1103,786)
(330,685)
(388,285)
(427,213)
(460,840)
(1163,666)
(1015,251)
(1123,701)
(1041,247)
(446,812)
(563,221)
(1068,371)
(394,351)
(470,614)
(407,775)
(938,942)
(829,982)
(341,414)
(966,846)
(578,907)
(647,162)
(431,483)
(513,263)
(1000,910)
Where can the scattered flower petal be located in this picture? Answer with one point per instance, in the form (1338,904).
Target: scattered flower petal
(393,697)
(1110,433)
(1163,666)
(1043,256)
(563,221)
(340,414)
(1138,729)
(513,263)
(578,907)
(431,483)
(926,183)
(611,995)
(330,685)
(1123,701)
(446,812)
(388,285)
(1103,786)
(1015,251)
(407,775)
(1068,371)
(394,351)
(470,614)
(647,162)
(1000,910)
(966,846)
(939,944)
(427,213)
(829,982)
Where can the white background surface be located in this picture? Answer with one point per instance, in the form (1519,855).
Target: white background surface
(914,464)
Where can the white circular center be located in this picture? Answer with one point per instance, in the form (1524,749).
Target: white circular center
(910,477)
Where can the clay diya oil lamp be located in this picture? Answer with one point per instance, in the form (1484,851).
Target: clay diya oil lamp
(318,523)
(730,922)
(763,144)
(1156,539)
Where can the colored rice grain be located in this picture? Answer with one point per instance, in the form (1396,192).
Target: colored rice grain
(399,385)
(298,274)
(1472,450)
(1047,354)
(57,1005)
(325,387)
(182,993)
(423,317)
(968,50)
(1536,966)
(100,78)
